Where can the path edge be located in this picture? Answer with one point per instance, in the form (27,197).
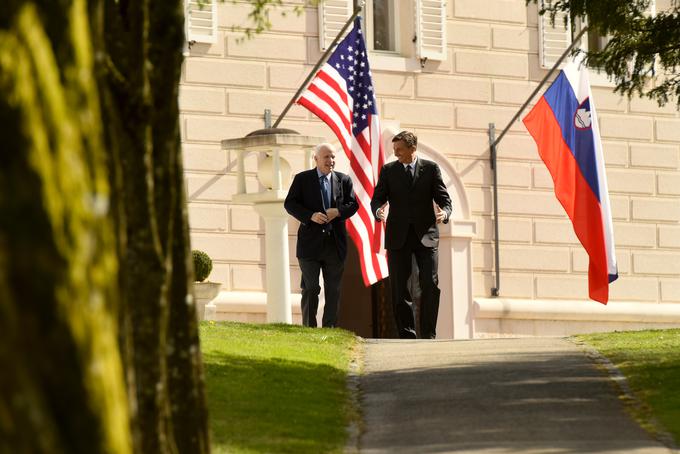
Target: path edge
(355,424)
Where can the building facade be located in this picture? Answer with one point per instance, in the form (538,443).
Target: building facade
(444,70)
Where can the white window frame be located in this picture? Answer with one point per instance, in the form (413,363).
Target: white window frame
(405,57)
(369,30)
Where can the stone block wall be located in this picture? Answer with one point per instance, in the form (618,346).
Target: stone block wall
(492,68)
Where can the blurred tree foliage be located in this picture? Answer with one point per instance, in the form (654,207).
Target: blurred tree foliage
(642,53)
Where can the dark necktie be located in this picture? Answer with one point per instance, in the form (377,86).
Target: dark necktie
(409,174)
(324,192)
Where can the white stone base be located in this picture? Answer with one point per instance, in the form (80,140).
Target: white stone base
(496,317)
(503,317)
(249,307)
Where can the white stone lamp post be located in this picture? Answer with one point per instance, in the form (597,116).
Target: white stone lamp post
(274,175)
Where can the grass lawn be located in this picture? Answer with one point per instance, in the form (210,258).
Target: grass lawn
(650,360)
(276,388)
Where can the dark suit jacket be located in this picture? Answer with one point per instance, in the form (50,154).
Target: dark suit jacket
(304,199)
(411,205)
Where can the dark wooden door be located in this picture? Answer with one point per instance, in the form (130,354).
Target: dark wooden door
(366,311)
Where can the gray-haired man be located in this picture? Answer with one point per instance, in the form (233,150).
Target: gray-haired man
(321,199)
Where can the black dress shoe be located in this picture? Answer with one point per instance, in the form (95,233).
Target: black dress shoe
(408,333)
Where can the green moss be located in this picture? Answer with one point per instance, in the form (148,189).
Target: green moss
(61,247)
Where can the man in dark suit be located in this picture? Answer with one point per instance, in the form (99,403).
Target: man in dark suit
(321,200)
(411,185)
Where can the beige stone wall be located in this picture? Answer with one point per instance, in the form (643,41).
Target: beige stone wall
(491,69)
(225,88)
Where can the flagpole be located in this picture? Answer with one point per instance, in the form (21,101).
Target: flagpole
(320,63)
(540,85)
(493,145)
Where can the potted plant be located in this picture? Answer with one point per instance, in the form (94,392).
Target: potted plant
(204,291)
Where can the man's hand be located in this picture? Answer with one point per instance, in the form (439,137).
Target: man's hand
(440,215)
(332,213)
(380,213)
(319,218)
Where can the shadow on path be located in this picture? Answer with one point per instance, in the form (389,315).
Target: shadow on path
(500,396)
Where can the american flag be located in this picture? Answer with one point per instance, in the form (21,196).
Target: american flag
(342,95)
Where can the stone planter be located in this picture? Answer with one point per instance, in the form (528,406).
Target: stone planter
(204,293)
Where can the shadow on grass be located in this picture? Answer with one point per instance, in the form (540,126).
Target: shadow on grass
(652,399)
(274,405)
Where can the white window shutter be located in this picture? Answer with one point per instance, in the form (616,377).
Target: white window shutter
(431,29)
(332,16)
(553,39)
(201,20)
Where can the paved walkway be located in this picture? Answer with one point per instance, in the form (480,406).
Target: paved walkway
(539,395)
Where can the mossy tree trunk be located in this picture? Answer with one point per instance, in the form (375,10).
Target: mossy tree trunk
(62,387)
(162,336)
(184,367)
(95,359)
(128,105)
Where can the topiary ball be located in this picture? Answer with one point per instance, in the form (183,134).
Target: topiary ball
(202,265)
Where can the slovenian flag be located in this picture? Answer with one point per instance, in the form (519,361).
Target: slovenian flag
(564,125)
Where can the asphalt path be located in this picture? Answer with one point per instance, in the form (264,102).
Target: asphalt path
(531,395)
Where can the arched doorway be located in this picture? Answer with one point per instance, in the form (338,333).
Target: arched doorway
(367,310)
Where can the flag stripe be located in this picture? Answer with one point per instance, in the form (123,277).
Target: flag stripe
(328,116)
(604,201)
(334,83)
(362,165)
(357,232)
(342,117)
(364,145)
(377,154)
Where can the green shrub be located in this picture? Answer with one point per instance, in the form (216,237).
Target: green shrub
(202,265)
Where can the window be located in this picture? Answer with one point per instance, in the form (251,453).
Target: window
(555,39)
(596,42)
(382,36)
(395,30)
